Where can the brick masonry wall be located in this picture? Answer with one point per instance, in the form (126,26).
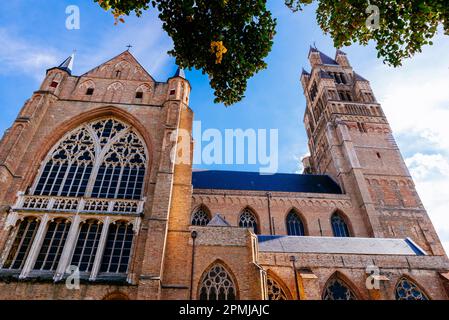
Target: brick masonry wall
(161,265)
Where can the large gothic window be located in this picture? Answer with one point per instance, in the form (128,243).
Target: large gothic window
(53,245)
(295,227)
(248,220)
(68,167)
(337,289)
(118,248)
(200,217)
(86,245)
(407,290)
(104,158)
(339,226)
(217,284)
(275,291)
(23,238)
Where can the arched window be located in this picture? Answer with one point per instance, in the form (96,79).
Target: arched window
(295,227)
(86,245)
(23,238)
(200,217)
(407,290)
(339,226)
(337,289)
(116,296)
(217,284)
(117,251)
(53,245)
(248,220)
(275,291)
(101,159)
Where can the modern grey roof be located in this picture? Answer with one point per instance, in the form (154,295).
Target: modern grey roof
(254,181)
(218,221)
(335,245)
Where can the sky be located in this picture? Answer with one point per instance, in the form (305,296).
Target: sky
(415,97)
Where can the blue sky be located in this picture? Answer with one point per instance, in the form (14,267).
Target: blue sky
(414,97)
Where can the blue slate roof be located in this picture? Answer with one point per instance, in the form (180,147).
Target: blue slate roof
(326,59)
(284,182)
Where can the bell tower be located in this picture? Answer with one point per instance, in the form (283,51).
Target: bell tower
(349,138)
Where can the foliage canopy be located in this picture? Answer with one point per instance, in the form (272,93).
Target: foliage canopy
(229,39)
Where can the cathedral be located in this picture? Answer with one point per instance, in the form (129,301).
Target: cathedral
(94,205)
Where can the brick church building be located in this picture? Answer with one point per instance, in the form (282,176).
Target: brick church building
(89,188)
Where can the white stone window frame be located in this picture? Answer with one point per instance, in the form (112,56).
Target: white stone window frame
(59,244)
(14,220)
(75,224)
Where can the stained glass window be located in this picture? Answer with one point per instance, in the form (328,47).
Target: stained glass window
(86,245)
(53,245)
(339,226)
(336,289)
(275,291)
(407,290)
(295,227)
(248,220)
(117,251)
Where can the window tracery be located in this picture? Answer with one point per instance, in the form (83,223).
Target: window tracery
(217,284)
(102,159)
(336,289)
(200,217)
(295,227)
(275,291)
(407,290)
(339,226)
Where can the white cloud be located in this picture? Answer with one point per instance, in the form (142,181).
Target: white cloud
(300,165)
(423,166)
(17,54)
(415,97)
(431,175)
(28,56)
